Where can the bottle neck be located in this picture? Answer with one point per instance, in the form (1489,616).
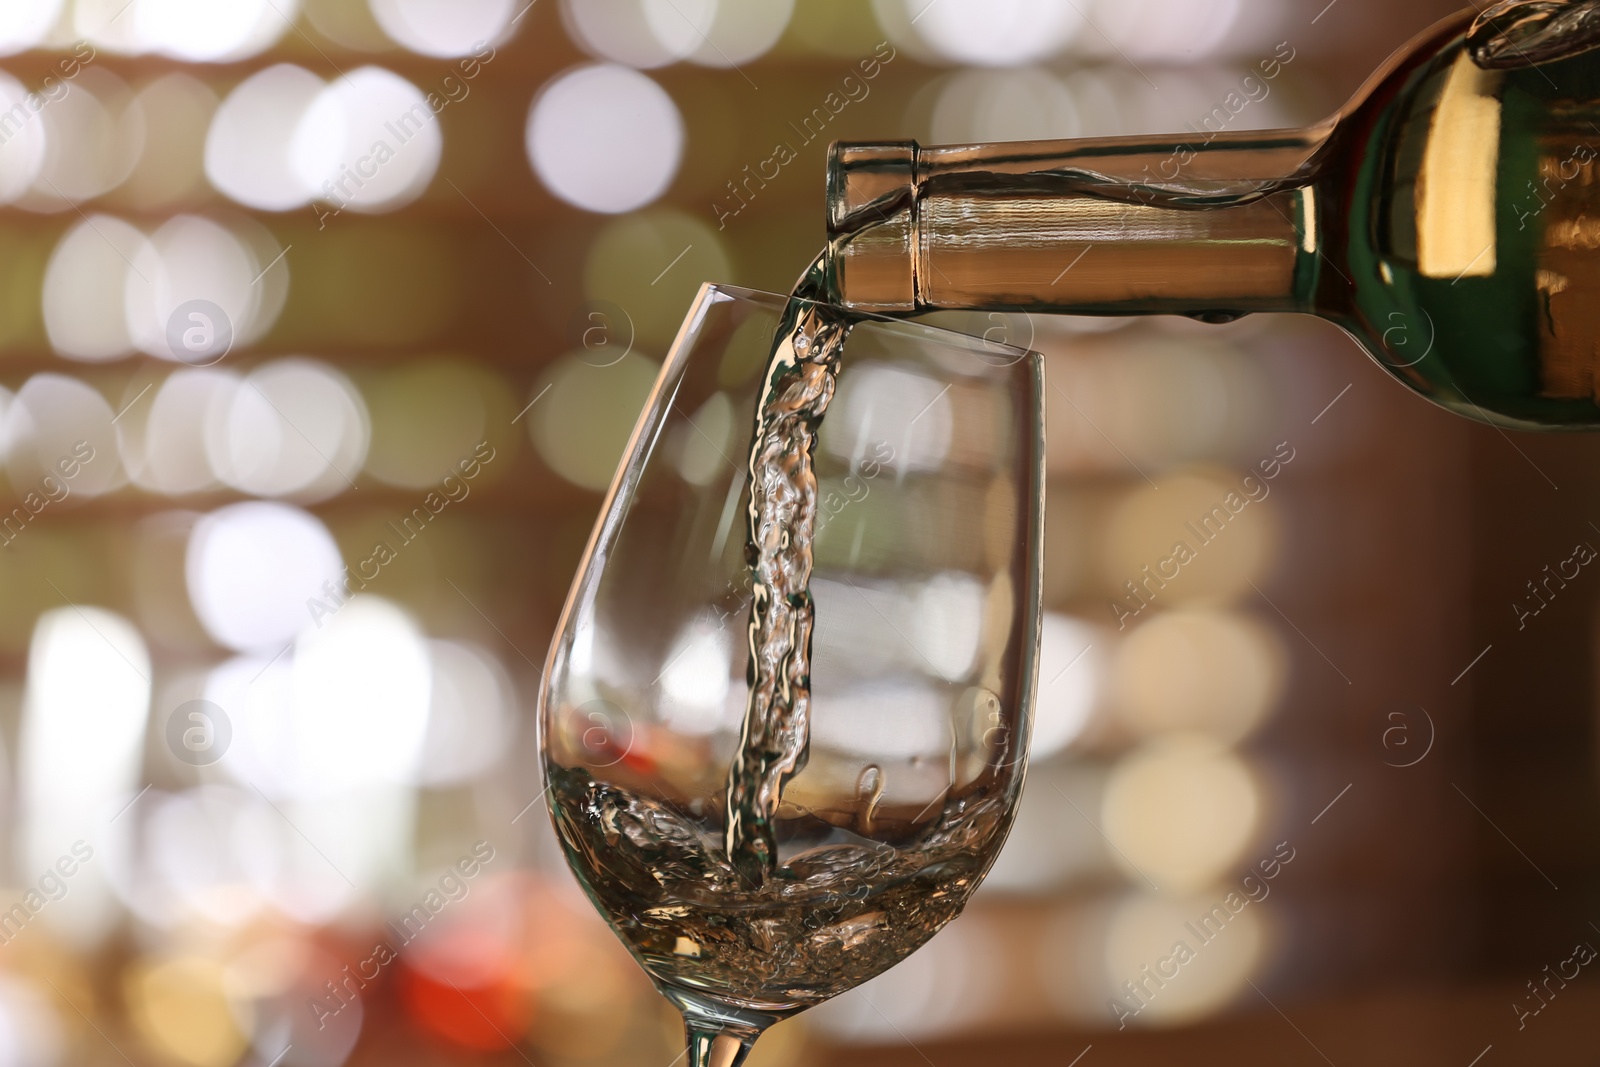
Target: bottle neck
(1222,224)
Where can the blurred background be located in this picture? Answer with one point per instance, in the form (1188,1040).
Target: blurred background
(272,615)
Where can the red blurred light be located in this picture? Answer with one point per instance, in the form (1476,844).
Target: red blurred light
(485,1018)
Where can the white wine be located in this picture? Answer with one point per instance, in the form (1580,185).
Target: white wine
(832,917)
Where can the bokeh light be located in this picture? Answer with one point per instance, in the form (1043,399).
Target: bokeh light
(103,25)
(605,138)
(740,32)
(1168,29)
(272,980)
(180,1007)
(94,135)
(427,417)
(696,680)
(270,282)
(639,33)
(1052,845)
(1069,683)
(24,23)
(444,27)
(653,33)
(30,1030)
(469,713)
(706,447)
(650,265)
(60,439)
(171,456)
(251,569)
(1210,671)
(1146,527)
(293,427)
(248,146)
(480,1019)
(370,141)
(909,412)
(1144,930)
(198,867)
(79,756)
(192,258)
(206,31)
(362,684)
(975,106)
(84,285)
(581,425)
(993,32)
(1181,811)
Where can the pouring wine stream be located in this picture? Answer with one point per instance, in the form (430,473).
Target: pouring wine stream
(796,388)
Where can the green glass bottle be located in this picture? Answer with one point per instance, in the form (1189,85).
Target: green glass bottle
(1448,218)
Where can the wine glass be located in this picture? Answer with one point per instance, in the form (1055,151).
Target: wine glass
(926,585)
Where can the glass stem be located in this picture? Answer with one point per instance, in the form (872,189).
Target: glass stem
(718,1048)
(719,1035)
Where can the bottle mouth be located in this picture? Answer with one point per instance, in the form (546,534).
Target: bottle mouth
(872,229)
(867,180)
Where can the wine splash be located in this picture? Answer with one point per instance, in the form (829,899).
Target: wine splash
(796,388)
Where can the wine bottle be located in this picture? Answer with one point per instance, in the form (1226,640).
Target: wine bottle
(1448,218)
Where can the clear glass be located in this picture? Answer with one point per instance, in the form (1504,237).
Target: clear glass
(927,589)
